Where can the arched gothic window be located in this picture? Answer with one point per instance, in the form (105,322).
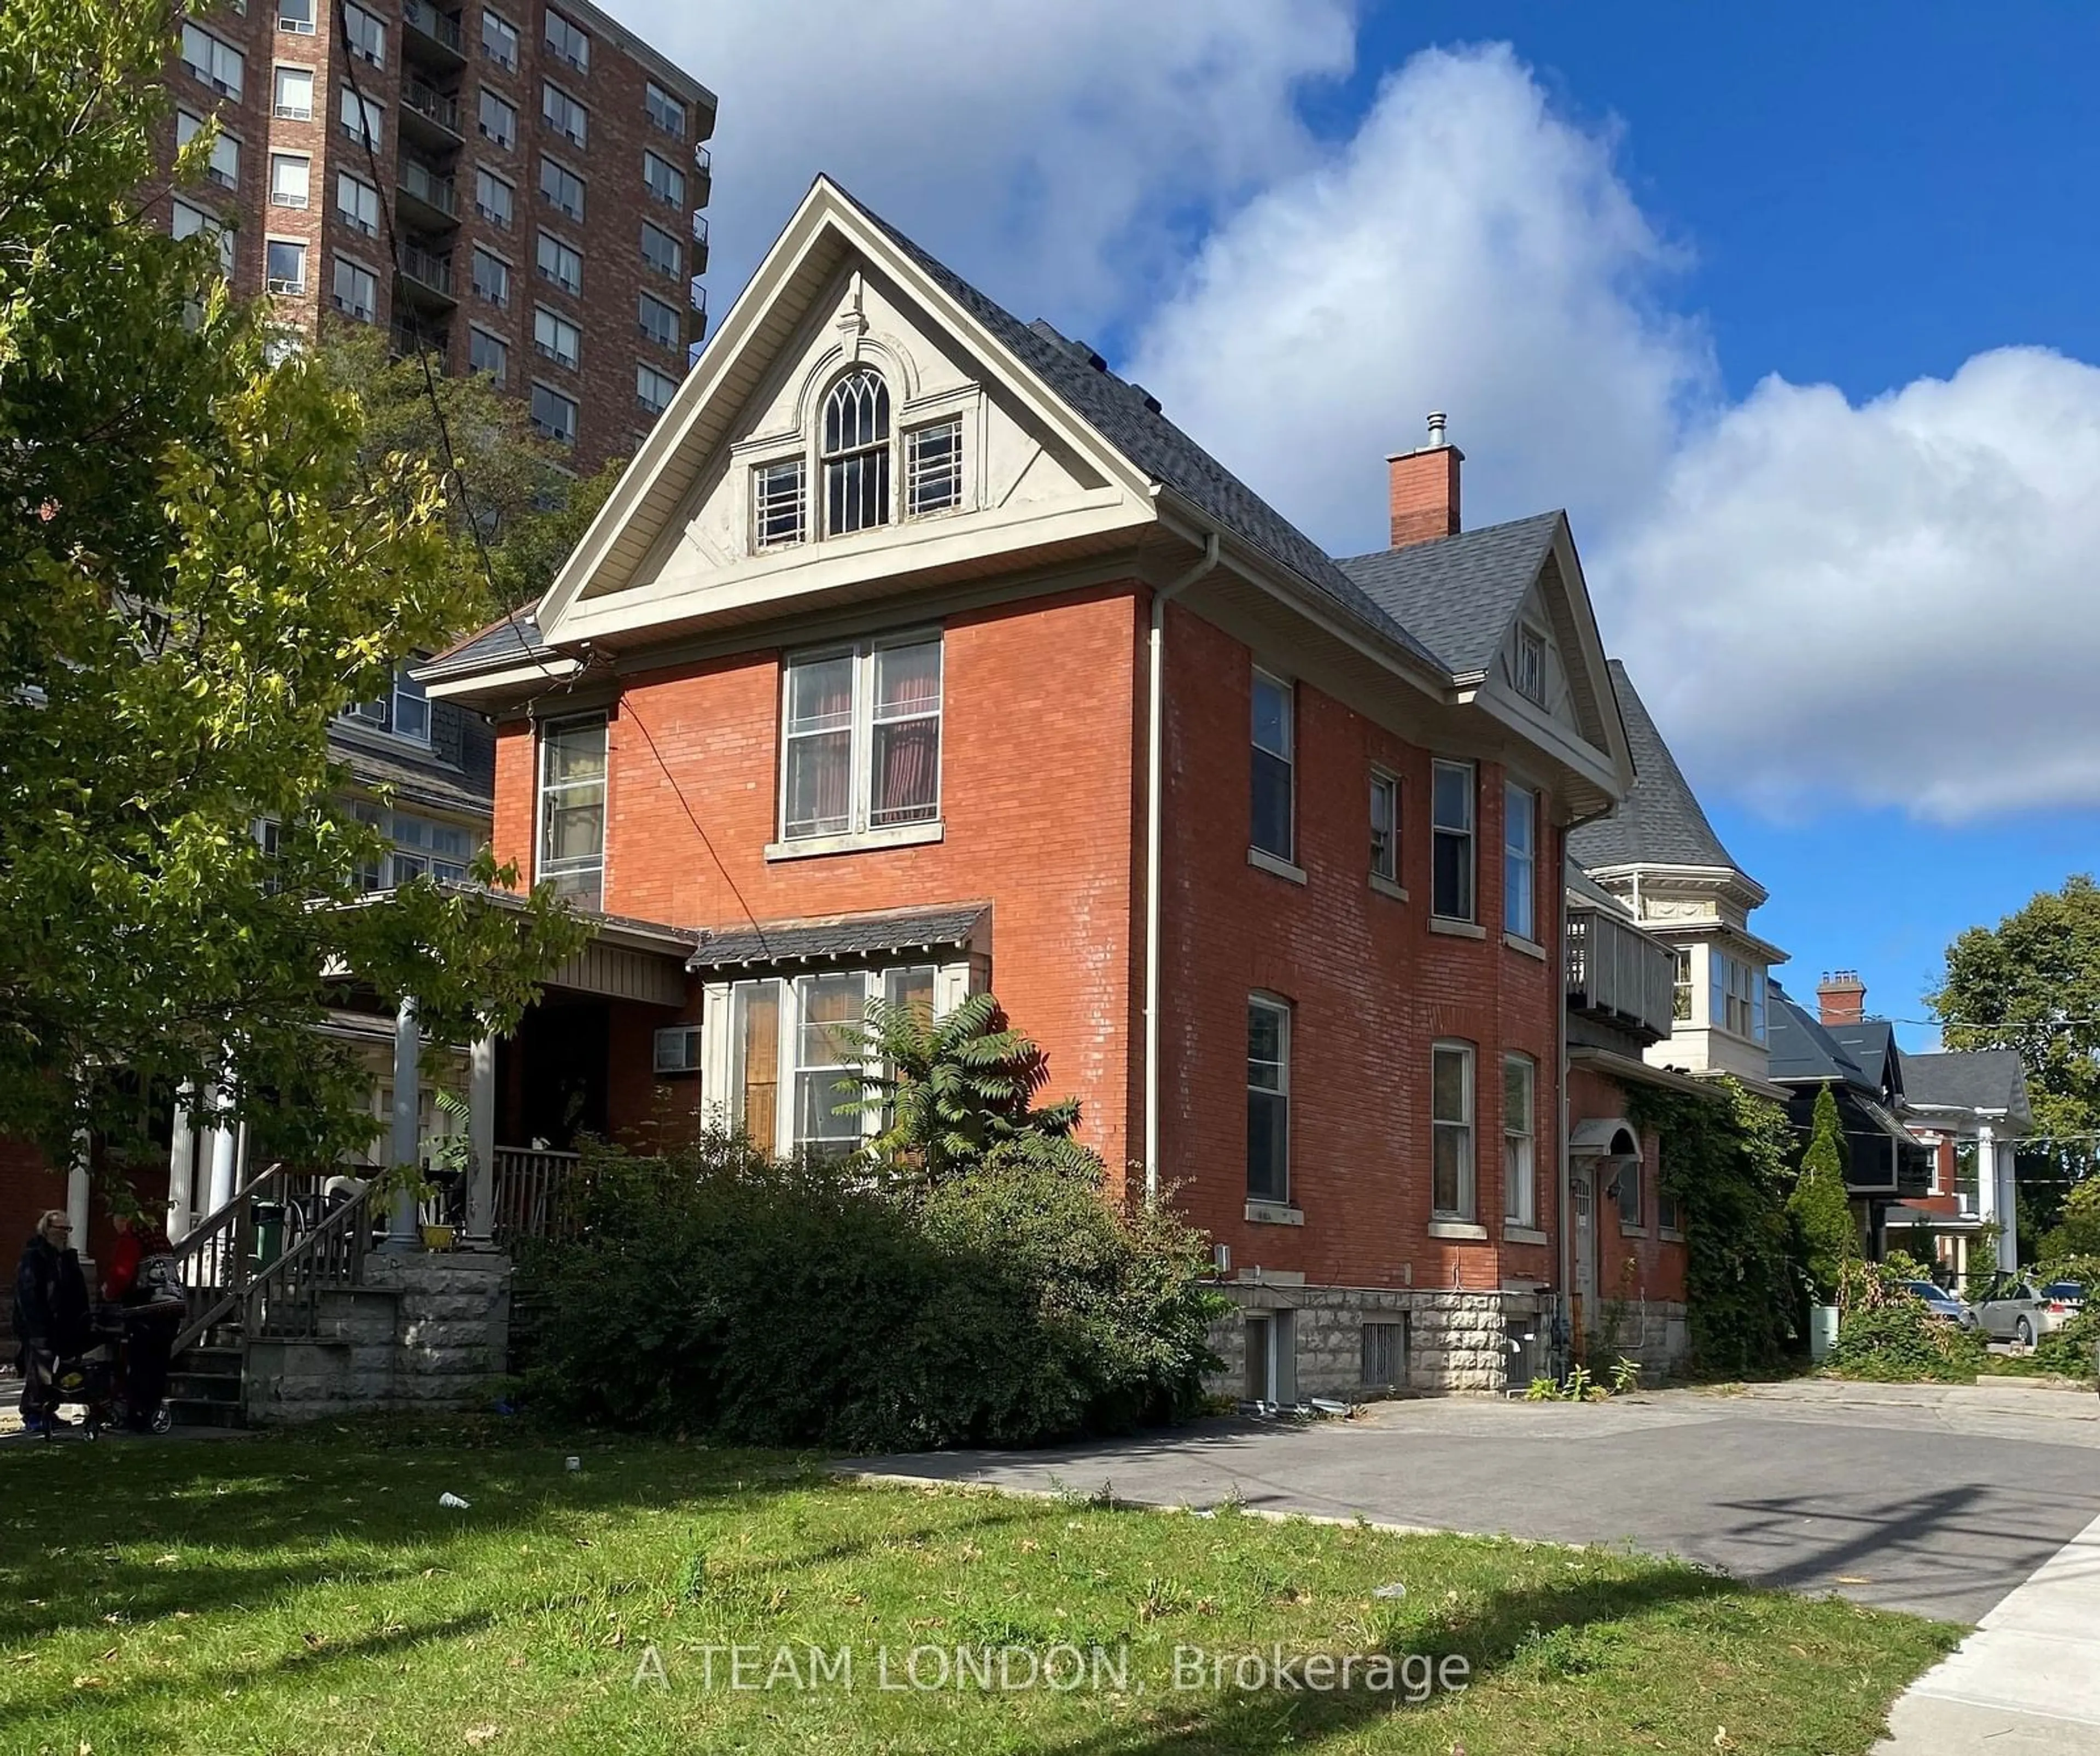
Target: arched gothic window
(856,453)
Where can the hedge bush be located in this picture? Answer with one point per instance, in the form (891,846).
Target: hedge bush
(716,1293)
(2068,1351)
(1890,1334)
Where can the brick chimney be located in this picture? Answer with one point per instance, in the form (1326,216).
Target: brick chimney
(1424,489)
(1840,997)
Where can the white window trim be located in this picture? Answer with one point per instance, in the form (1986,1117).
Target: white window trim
(1521,1215)
(1525,631)
(291,112)
(306,162)
(539,873)
(1471,833)
(305,278)
(1468,1212)
(1274,1207)
(756,468)
(860,833)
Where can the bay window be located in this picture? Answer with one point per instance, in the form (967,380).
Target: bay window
(1451,1122)
(1736,996)
(861,739)
(572,778)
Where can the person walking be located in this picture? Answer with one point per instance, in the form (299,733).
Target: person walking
(50,1315)
(145,1279)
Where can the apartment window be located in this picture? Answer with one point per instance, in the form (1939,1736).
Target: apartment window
(660,251)
(1385,828)
(1737,996)
(289,174)
(1269,1100)
(665,110)
(561,187)
(779,502)
(572,774)
(862,739)
(654,389)
(219,64)
(830,1013)
(560,264)
(499,40)
(494,199)
(424,847)
(223,168)
(357,203)
(1667,1218)
(1531,664)
(1520,861)
(563,114)
(1451,833)
(933,468)
(1274,753)
(567,41)
(296,17)
(356,291)
(1451,1121)
(284,266)
(491,278)
(362,120)
(1520,1155)
(366,36)
(755,1050)
(554,415)
(856,434)
(1680,986)
(403,710)
(489,354)
(498,119)
(555,337)
(189,221)
(1631,1208)
(665,181)
(292,93)
(658,321)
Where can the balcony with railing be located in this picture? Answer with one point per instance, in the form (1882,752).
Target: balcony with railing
(699,244)
(429,116)
(696,318)
(426,278)
(703,175)
(1618,974)
(410,339)
(430,37)
(428,198)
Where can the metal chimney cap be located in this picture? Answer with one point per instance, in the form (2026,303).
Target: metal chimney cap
(1436,420)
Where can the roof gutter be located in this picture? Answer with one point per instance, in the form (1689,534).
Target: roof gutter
(1155,743)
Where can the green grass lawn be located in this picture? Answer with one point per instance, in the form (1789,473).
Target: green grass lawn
(309,1594)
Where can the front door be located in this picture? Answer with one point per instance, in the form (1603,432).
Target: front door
(1582,1201)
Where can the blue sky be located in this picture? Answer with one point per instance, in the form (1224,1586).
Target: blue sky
(1789,305)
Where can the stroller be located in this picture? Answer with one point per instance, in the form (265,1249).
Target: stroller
(87,1379)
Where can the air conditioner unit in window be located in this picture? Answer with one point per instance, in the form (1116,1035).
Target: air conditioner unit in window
(678,1049)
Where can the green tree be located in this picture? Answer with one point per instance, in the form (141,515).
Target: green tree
(1821,1209)
(2031,983)
(199,566)
(528,510)
(2077,1234)
(957,1094)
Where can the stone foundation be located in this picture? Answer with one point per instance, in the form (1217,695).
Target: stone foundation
(1434,1341)
(424,1331)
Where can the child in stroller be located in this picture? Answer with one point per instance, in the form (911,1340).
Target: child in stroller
(87,1379)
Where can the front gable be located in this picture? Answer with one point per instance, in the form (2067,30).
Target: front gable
(740,456)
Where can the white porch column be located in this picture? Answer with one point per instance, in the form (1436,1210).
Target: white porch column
(182,1165)
(224,1142)
(78,1184)
(1986,1174)
(2009,1208)
(481,1141)
(406,1146)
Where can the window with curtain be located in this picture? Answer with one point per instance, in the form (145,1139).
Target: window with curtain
(1275,738)
(1520,861)
(1269,1100)
(1451,1115)
(862,739)
(573,775)
(830,1013)
(1451,830)
(1519,1158)
(856,453)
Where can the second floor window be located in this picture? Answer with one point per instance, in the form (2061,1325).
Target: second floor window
(861,739)
(1451,1120)
(1738,996)
(856,438)
(1520,862)
(1385,828)
(572,774)
(1274,760)
(405,709)
(1451,827)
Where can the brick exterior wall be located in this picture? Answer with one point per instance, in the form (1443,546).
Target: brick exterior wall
(1422,487)
(616,200)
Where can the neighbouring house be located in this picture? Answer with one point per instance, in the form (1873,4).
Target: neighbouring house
(916,654)
(1970,1109)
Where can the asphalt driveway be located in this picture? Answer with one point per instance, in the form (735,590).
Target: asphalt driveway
(1938,1501)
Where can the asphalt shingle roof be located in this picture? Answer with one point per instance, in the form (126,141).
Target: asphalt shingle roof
(1801,1049)
(1459,595)
(515,638)
(1660,822)
(806,940)
(1985,1078)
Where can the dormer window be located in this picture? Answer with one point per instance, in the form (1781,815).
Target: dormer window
(856,453)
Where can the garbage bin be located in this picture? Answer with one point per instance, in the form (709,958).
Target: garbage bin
(269,1232)
(1822,1332)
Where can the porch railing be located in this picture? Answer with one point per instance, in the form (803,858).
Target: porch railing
(530,1183)
(220,1266)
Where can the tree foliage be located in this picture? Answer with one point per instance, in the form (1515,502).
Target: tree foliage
(2032,984)
(2077,1233)
(1821,1208)
(201,563)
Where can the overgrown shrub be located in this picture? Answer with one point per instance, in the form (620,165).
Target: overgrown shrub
(1889,1334)
(2069,1352)
(716,1293)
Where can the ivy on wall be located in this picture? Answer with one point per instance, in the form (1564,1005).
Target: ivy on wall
(1728,1160)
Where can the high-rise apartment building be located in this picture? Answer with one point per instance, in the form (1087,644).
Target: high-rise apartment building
(517,188)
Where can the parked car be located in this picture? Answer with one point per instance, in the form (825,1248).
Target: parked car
(2019,1310)
(1941,1303)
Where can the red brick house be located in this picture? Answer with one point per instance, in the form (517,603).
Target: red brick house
(917,653)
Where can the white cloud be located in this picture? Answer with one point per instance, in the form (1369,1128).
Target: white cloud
(1886,604)
(1050,152)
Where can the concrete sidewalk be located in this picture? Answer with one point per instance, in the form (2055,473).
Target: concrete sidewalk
(2027,1683)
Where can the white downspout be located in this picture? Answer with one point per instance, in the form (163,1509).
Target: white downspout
(1155,743)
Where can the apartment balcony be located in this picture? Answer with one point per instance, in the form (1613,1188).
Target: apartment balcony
(409,338)
(699,244)
(703,176)
(1619,975)
(426,279)
(432,38)
(429,117)
(696,318)
(428,199)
